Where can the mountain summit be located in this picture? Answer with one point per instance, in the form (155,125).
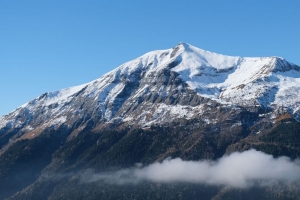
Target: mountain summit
(159,87)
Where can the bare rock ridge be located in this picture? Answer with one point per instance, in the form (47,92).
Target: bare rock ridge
(183,82)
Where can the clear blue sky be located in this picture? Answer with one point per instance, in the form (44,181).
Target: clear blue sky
(54,44)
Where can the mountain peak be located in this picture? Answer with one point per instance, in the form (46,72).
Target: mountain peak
(281,65)
(184,45)
(165,81)
(190,48)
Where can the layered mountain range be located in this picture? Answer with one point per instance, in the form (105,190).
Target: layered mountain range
(184,89)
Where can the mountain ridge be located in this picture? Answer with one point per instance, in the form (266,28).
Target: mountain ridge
(237,81)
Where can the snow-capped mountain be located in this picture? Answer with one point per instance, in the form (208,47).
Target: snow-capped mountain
(158,87)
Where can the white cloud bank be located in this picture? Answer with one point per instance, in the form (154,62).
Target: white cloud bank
(238,170)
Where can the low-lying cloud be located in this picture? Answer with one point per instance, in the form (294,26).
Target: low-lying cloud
(238,170)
